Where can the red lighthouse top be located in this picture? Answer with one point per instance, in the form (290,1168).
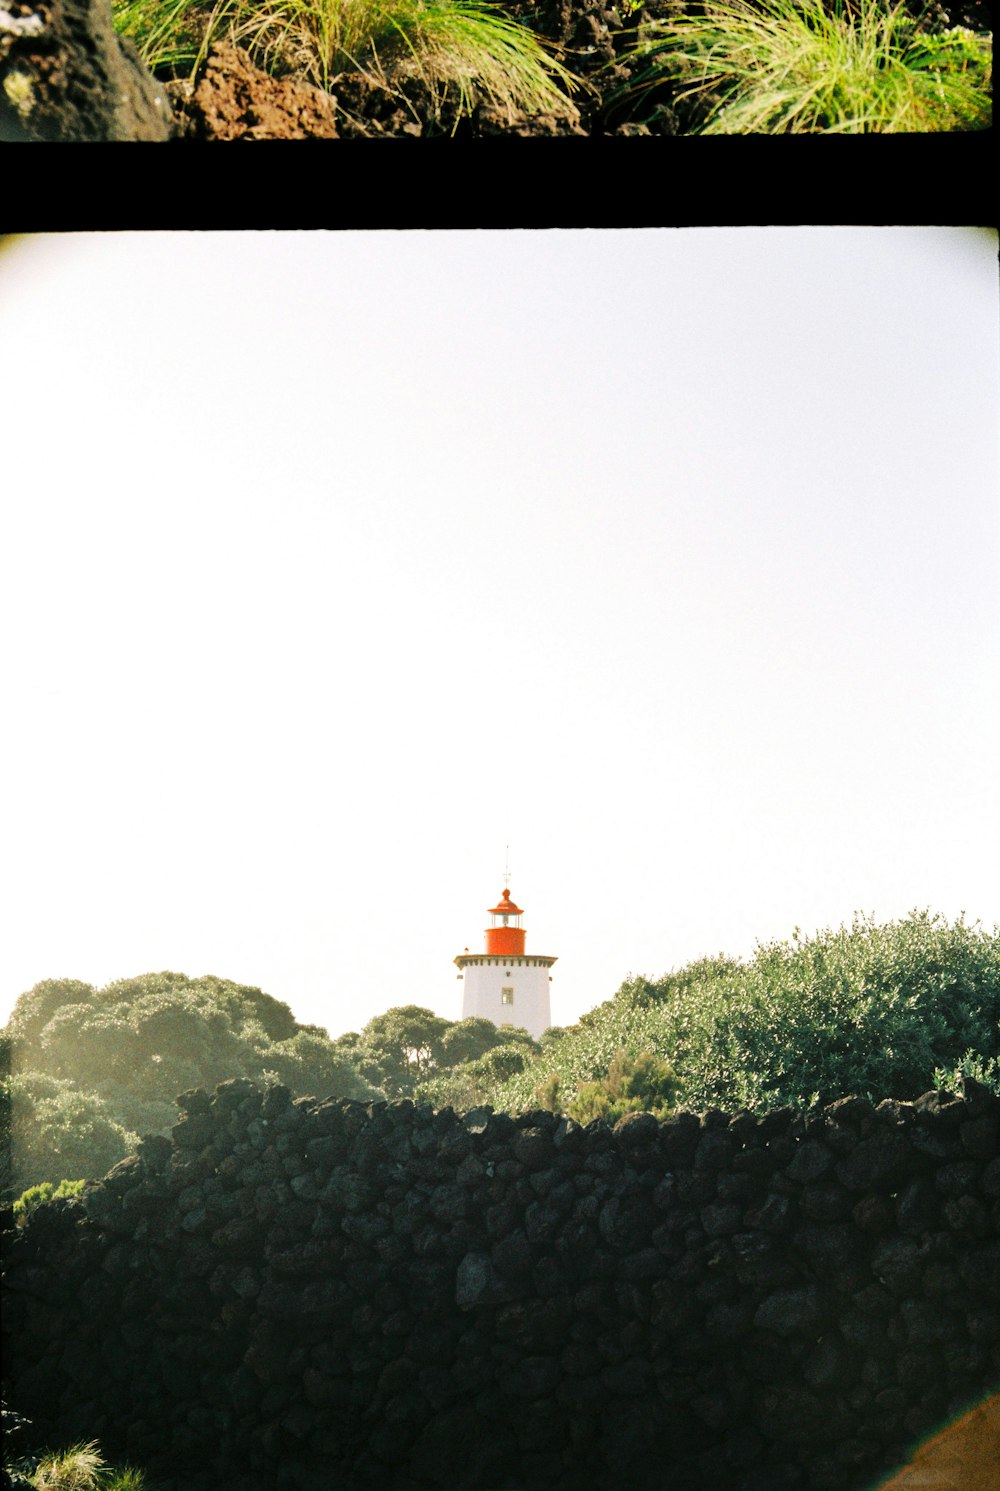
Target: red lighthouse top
(506,907)
(505,936)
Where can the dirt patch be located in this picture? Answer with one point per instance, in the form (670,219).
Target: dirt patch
(234,100)
(963,1457)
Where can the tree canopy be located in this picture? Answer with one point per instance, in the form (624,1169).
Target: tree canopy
(409,1050)
(96,1068)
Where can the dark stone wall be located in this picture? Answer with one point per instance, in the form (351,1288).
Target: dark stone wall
(66,76)
(382,1296)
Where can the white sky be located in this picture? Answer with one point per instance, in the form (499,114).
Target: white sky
(332,563)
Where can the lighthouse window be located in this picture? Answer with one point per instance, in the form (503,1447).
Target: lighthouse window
(506,996)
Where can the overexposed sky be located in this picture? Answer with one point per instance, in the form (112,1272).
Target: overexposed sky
(333,563)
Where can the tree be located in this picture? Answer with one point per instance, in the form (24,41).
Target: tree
(58,1131)
(35,1009)
(88,1044)
(401,1047)
(467,1040)
(469,1084)
(112,1060)
(310,1064)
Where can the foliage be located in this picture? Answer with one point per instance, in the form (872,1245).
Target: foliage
(409,1051)
(468,1040)
(59,1129)
(551,1035)
(95,1068)
(81,1467)
(465,51)
(396,1049)
(809,66)
(34,1010)
(984,1070)
(872,1009)
(645,1083)
(467,1085)
(36,1195)
(630,1021)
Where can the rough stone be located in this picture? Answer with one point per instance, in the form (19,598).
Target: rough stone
(308,1302)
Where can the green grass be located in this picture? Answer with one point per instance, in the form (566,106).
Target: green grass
(82,1467)
(466,52)
(172,37)
(799,66)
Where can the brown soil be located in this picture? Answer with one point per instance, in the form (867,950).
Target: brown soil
(233,100)
(963,1457)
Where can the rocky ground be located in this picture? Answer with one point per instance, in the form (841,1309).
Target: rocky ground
(66,76)
(232,99)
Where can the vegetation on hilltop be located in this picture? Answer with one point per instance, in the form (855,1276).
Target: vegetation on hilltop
(90,1070)
(874,1010)
(409,1051)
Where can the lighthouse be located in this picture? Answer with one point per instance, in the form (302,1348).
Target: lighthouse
(505,984)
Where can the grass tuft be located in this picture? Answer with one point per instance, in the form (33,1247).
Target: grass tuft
(467,51)
(128,1478)
(80,1468)
(172,36)
(799,66)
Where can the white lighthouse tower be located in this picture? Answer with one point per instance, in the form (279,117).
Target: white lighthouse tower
(505,984)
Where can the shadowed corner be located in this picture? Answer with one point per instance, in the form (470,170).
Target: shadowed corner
(964,1456)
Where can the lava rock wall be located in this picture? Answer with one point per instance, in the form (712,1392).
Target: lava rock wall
(65,75)
(291,1294)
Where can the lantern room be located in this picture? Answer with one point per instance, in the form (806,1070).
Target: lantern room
(505,935)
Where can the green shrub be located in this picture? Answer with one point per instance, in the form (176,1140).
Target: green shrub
(546,1094)
(467,1085)
(646,1083)
(36,1195)
(871,1009)
(979,1069)
(805,66)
